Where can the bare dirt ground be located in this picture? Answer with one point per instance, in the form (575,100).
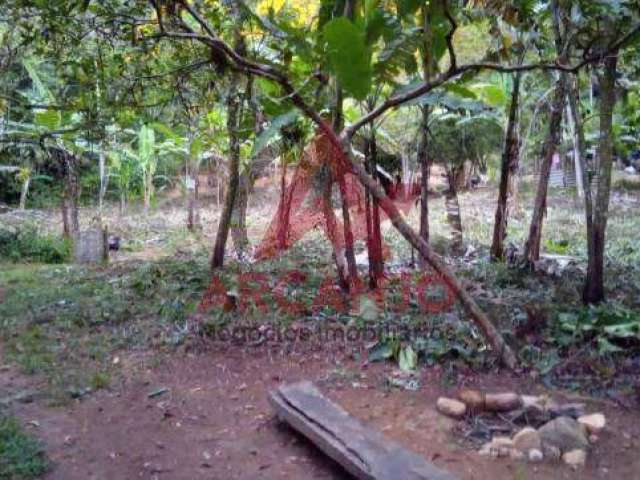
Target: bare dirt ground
(214,421)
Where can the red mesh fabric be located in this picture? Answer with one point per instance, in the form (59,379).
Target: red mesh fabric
(303,207)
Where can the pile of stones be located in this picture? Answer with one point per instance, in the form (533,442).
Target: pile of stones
(553,431)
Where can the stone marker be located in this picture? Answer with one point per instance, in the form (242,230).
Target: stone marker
(91,246)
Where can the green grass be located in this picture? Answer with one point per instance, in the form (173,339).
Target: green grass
(21,455)
(68,322)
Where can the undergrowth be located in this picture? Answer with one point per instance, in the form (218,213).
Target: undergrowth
(21,455)
(26,244)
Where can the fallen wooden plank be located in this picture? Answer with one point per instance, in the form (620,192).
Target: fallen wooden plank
(362,451)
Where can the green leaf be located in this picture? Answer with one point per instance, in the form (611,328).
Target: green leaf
(368,309)
(146,144)
(349,56)
(491,94)
(30,65)
(196,148)
(273,130)
(605,346)
(408,360)
(49,119)
(384,350)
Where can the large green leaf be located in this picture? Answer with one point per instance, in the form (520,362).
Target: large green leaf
(349,56)
(491,94)
(273,130)
(49,119)
(408,359)
(146,144)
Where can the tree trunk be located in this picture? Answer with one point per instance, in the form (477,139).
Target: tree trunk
(24,191)
(374,234)
(239,216)
(578,143)
(580,146)
(70,193)
(532,245)
(348,233)
(509,168)
(193,210)
(332,228)
(338,119)
(64,209)
(454,218)
(425,172)
(104,179)
(593,291)
(233,110)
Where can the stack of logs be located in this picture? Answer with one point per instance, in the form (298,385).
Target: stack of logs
(553,430)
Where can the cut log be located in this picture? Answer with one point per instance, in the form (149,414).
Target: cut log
(363,452)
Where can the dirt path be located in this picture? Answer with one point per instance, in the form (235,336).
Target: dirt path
(214,422)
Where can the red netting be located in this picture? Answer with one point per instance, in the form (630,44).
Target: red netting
(303,207)
(305,204)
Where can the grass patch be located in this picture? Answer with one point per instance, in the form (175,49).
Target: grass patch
(68,322)
(21,455)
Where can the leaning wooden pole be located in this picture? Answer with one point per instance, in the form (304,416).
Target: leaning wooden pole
(489,330)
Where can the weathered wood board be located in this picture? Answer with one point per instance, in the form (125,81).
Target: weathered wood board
(364,452)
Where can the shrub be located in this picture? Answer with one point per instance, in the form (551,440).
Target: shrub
(26,244)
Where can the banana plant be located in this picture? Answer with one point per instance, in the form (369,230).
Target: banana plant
(123,169)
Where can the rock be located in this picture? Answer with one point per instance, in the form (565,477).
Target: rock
(473,399)
(532,402)
(594,423)
(502,402)
(564,433)
(504,452)
(498,447)
(502,442)
(576,458)
(593,438)
(484,452)
(630,170)
(535,455)
(526,439)
(551,452)
(515,454)
(451,408)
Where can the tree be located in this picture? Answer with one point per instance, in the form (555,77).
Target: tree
(234,116)
(508,170)
(531,251)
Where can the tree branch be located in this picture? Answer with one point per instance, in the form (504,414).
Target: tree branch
(449,38)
